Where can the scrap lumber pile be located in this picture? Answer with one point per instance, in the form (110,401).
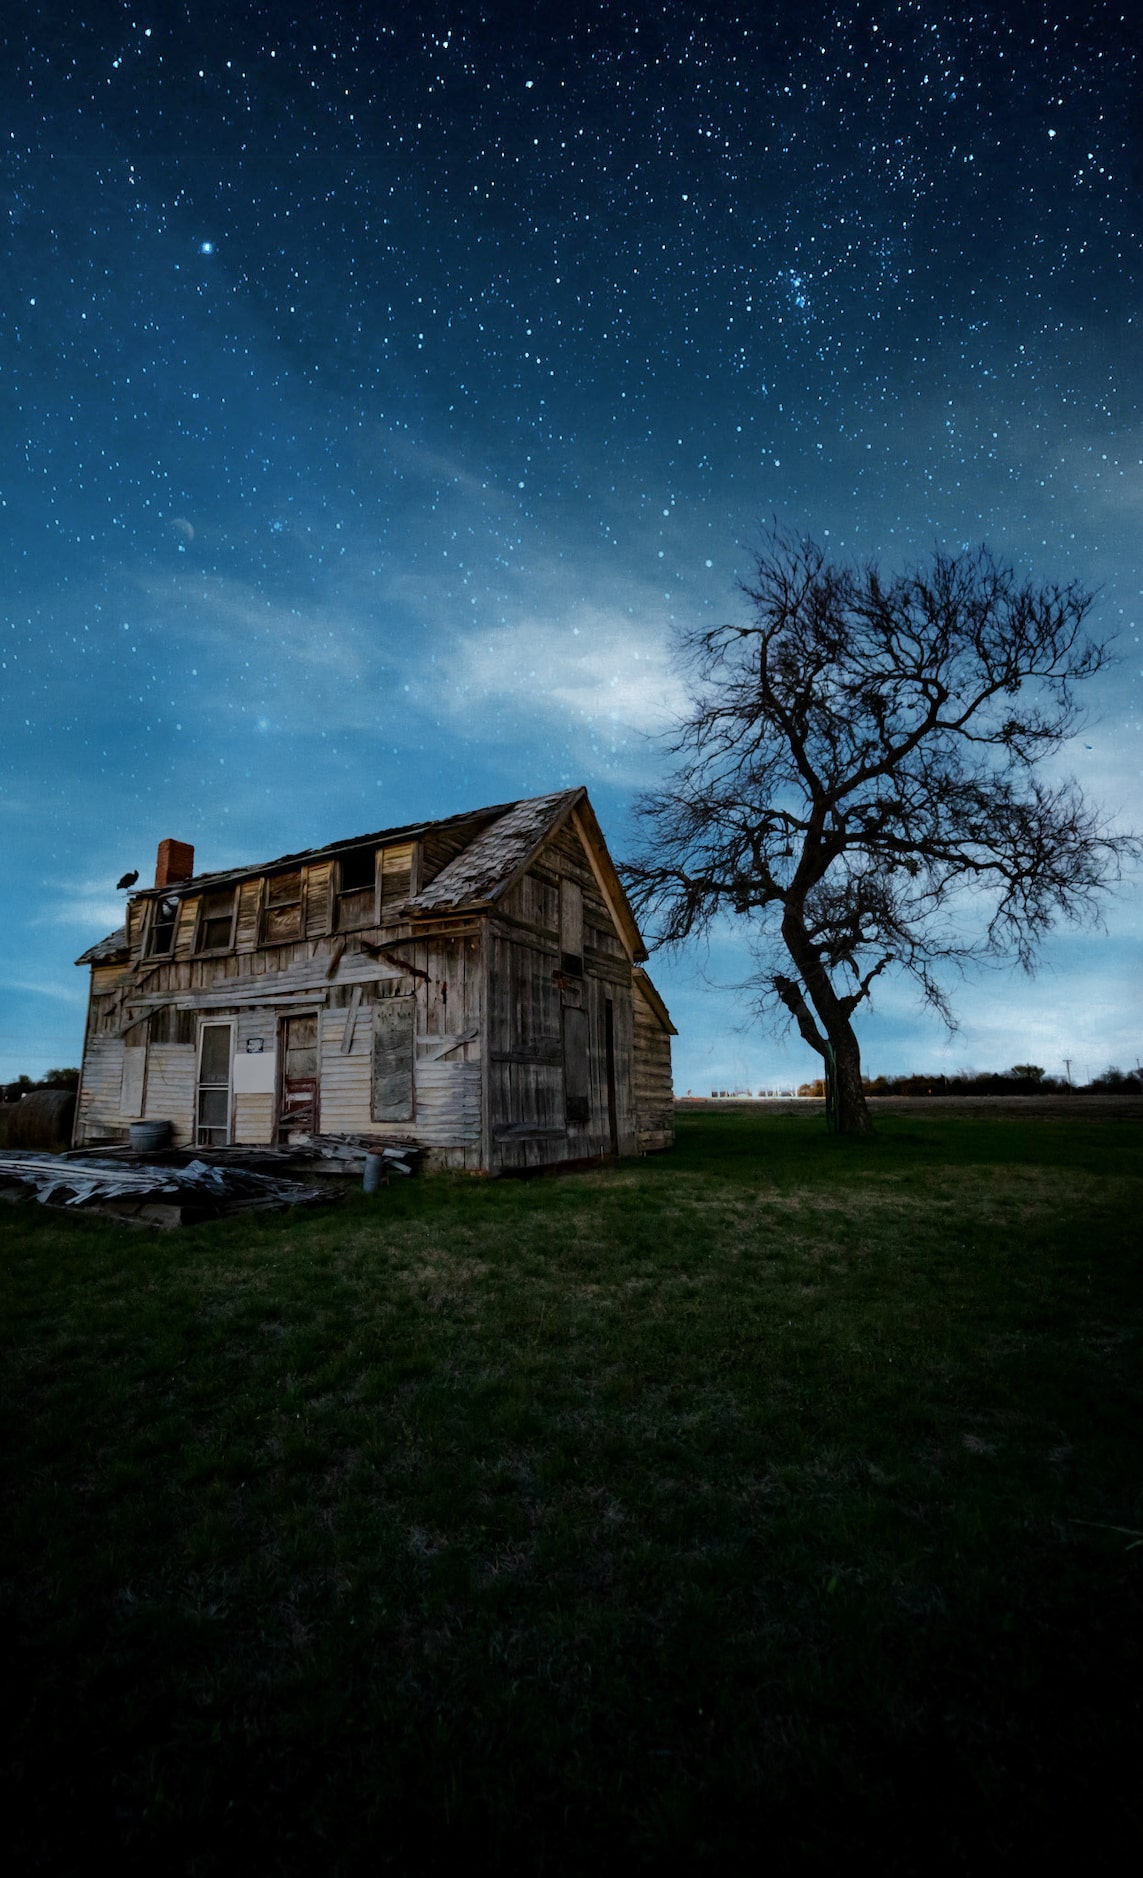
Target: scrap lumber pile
(347,1153)
(149,1195)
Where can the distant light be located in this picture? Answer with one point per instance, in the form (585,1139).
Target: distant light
(206,247)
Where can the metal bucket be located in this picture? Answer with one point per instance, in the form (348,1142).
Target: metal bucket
(150,1137)
(373,1165)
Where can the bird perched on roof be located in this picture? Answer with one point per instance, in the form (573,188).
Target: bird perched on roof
(128,880)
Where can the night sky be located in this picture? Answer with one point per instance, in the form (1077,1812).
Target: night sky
(378,397)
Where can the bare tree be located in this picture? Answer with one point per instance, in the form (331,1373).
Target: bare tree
(857,778)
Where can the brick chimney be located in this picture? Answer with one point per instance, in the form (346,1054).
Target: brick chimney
(174,862)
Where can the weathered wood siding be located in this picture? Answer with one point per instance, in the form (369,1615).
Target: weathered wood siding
(446,1067)
(249,911)
(317,899)
(528,992)
(654,1091)
(499,1057)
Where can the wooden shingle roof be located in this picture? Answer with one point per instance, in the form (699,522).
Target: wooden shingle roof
(480,873)
(504,840)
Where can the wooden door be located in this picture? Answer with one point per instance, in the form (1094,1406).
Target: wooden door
(298,1055)
(609,1045)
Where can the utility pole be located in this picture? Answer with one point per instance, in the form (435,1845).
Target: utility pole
(1068,1069)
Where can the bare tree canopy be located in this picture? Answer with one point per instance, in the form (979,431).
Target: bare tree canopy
(857,777)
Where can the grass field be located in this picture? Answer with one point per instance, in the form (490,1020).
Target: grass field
(755,1507)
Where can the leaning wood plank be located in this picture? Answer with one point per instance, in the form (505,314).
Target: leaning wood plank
(350,1020)
(446,1045)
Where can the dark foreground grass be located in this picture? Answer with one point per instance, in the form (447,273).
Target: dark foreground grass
(750,1508)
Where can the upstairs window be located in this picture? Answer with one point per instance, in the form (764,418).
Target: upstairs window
(167,1025)
(356,889)
(164,919)
(282,914)
(571,928)
(216,920)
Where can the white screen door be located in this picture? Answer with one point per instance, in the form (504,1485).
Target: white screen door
(213,1108)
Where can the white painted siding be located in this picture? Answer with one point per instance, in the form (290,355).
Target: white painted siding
(253,1119)
(343,1090)
(101,1088)
(446,1099)
(170,1088)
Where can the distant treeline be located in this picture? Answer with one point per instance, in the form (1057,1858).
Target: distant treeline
(54,1079)
(1023,1079)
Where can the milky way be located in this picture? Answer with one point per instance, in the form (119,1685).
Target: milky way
(381,389)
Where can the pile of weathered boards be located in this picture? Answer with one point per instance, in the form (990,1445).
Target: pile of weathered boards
(176,1191)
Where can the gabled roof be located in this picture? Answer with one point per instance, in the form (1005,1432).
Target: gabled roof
(653,999)
(484,870)
(379,837)
(479,876)
(505,839)
(108,950)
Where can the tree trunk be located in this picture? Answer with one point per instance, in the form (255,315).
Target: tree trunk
(846,1106)
(853,1117)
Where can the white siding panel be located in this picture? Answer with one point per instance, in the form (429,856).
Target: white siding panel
(343,1097)
(170,1088)
(102,1085)
(253,1119)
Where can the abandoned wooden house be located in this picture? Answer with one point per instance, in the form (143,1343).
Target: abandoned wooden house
(473,985)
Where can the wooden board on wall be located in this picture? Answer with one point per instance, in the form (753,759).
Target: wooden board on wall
(393,1054)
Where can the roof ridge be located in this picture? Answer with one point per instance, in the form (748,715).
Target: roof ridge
(410,829)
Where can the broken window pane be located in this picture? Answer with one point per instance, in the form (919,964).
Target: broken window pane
(164,919)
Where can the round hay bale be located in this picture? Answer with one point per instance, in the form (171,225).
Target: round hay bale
(42,1120)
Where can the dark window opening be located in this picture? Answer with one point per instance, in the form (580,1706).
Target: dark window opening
(170,1026)
(216,920)
(164,919)
(357,869)
(571,928)
(356,879)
